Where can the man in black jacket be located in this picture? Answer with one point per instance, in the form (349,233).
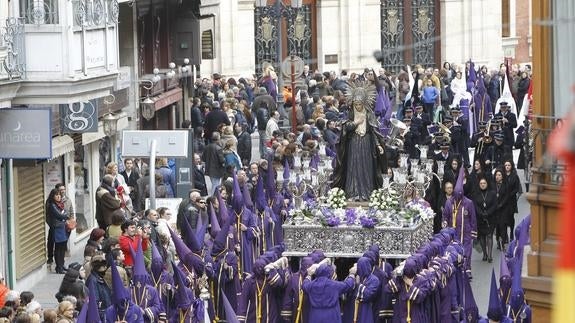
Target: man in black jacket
(215,118)
(199,176)
(197,116)
(131,178)
(214,158)
(244,143)
(508,124)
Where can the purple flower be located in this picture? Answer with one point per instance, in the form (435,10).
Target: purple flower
(367,222)
(350,216)
(332,221)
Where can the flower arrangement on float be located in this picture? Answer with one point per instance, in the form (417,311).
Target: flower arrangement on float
(384,209)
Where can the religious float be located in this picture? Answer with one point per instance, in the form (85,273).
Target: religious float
(396,217)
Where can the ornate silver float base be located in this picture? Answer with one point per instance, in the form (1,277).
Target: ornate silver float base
(352,241)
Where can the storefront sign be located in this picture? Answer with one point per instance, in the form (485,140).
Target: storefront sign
(25,133)
(79,117)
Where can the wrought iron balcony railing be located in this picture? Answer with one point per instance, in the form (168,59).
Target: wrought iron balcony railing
(13,60)
(546,172)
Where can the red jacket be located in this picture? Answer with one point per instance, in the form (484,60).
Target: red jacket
(125,243)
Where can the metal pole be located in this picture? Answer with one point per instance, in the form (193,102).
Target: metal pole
(153,174)
(293,94)
(280,81)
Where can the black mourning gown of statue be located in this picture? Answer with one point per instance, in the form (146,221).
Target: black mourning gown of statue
(359,165)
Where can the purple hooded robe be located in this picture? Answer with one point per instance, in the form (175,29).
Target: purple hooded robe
(359,307)
(324,293)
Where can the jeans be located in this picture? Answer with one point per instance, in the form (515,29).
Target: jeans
(59,253)
(262,134)
(50,245)
(216,181)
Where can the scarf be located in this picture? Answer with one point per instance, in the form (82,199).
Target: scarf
(60,205)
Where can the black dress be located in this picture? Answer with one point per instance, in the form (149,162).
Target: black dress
(485,205)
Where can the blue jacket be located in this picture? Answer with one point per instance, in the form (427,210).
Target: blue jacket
(57,221)
(430,94)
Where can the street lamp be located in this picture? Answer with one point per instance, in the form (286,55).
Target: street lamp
(147,105)
(110,120)
(279,11)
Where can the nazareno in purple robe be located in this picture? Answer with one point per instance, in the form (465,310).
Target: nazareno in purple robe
(247,240)
(324,293)
(460,214)
(258,299)
(130,312)
(409,305)
(359,307)
(148,299)
(226,281)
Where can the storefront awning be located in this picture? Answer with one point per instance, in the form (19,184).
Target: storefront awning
(62,145)
(165,99)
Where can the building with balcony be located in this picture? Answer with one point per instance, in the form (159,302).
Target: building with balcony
(63,56)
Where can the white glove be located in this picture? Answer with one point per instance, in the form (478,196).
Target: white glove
(311,270)
(353,270)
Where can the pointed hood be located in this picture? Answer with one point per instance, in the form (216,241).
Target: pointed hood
(140,274)
(181,297)
(472,77)
(237,197)
(231,316)
(503,269)
(157,264)
(201,229)
(189,236)
(89,312)
(214,223)
(92,315)
(270,184)
(286,171)
(494,311)
(517,297)
(506,96)
(247,197)
(471,312)
(82,315)
(222,208)
(120,294)
(483,106)
(221,240)
(458,189)
(186,255)
(260,195)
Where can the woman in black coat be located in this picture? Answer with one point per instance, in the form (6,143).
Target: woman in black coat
(513,189)
(504,209)
(485,202)
(56,216)
(478,172)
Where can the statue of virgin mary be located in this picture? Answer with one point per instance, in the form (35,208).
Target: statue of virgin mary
(361,157)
